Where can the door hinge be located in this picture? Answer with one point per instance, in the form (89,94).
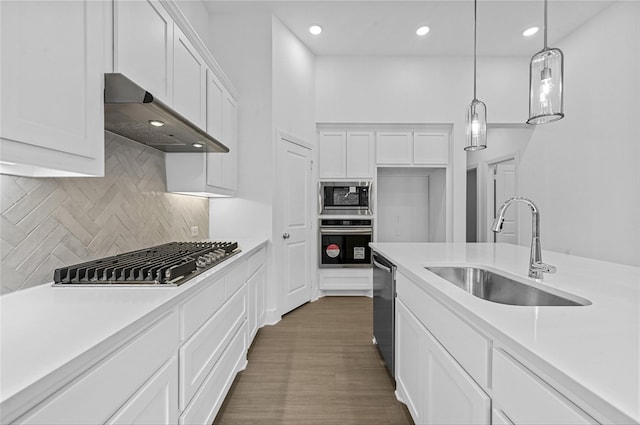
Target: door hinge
(311,165)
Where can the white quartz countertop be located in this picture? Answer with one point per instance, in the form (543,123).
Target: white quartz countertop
(47,331)
(591,351)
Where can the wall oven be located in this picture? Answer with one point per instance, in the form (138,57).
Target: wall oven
(345,243)
(345,198)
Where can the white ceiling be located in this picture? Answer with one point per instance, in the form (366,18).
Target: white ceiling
(388,27)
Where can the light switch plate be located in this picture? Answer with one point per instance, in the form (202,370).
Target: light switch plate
(195,230)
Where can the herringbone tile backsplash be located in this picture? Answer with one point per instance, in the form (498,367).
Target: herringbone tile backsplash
(51,222)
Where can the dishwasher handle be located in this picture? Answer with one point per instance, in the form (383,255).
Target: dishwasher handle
(380,266)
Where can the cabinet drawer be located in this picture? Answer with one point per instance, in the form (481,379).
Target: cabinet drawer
(156,402)
(235,279)
(526,399)
(197,309)
(346,279)
(256,261)
(99,393)
(207,401)
(468,347)
(201,352)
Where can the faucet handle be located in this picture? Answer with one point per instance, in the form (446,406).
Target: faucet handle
(543,268)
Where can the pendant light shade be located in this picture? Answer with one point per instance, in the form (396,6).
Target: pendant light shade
(476,122)
(545,83)
(476,126)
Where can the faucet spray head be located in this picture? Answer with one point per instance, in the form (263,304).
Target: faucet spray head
(497,224)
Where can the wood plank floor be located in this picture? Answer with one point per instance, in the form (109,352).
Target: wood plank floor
(316,366)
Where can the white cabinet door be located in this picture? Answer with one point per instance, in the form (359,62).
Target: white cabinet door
(189,80)
(430,382)
(410,364)
(215,105)
(527,399)
(252,309)
(222,167)
(96,395)
(499,418)
(360,155)
(333,154)
(52,79)
(156,403)
(430,148)
(451,395)
(261,294)
(394,148)
(143,46)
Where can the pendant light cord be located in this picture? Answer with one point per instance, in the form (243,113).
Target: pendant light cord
(545,24)
(475,44)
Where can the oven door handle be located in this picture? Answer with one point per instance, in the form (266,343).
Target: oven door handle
(335,231)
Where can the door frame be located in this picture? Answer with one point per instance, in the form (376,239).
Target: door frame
(490,193)
(278,216)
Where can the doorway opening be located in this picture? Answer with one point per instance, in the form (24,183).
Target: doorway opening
(472,205)
(502,185)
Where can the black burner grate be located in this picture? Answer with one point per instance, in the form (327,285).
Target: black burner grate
(170,264)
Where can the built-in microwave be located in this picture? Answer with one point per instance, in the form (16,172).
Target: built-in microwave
(345,198)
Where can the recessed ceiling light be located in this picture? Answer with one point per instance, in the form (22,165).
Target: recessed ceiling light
(530,31)
(422,31)
(315,29)
(156,123)
(197,145)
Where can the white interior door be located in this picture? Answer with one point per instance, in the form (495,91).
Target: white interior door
(294,183)
(505,188)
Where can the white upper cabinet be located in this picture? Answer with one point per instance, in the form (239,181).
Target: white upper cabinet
(222,167)
(215,105)
(143,46)
(394,148)
(211,174)
(360,155)
(53,64)
(189,80)
(417,148)
(333,154)
(430,148)
(346,155)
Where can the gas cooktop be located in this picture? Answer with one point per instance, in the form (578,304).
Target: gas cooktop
(171,264)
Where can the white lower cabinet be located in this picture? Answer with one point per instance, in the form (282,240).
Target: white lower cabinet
(207,401)
(256,291)
(346,280)
(499,418)
(527,399)
(200,353)
(433,385)
(99,393)
(156,403)
(443,364)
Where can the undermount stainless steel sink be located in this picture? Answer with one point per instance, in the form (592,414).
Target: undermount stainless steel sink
(501,289)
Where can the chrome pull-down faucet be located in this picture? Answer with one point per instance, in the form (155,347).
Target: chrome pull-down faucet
(536,266)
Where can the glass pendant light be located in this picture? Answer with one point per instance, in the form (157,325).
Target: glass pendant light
(476,122)
(545,83)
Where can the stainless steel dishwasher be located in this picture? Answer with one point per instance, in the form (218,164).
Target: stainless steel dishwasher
(384,308)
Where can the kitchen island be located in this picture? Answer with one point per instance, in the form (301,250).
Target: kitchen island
(121,354)
(584,357)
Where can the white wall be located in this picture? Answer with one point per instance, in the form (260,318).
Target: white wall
(274,75)
(422,90)
(293,85)
(242,46)
(583,171)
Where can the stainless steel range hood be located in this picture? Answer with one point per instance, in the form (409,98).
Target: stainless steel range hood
(131,111)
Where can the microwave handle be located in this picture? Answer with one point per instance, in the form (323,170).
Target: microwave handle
(320,200)
(372,195)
